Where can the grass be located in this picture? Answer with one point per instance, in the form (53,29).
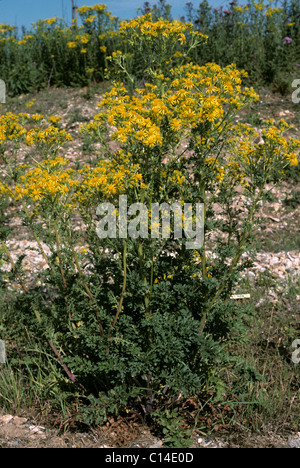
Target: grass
(264,382)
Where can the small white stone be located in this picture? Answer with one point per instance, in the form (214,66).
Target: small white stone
(6,419)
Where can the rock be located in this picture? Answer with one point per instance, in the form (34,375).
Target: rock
(261,302)
(36,429)
(6,419)
(205,443)
(294,443)
(2,352)
(14,444)
(156,444)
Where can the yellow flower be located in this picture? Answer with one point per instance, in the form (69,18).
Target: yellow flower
(30,103)
(90,19)
(37,117)
(176,124)
(71,45)
(85,40)
(51,21)
(259,6)
(54,119)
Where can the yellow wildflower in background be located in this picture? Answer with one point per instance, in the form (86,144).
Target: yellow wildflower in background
(50,137)
(54,119)
(85,40)
(51,21)
(37,117)
(30,103)
(90,19)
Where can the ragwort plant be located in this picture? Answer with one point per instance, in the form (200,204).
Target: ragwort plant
(140,323)
(152,47)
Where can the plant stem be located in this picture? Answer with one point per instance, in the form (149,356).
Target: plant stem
(87,289)
(58,254)
(36,236)
(68,372)
(204,272)
(122,294)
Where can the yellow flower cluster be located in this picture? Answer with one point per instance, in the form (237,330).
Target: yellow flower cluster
(37,117)
(48,181)
(5,28)
(273,11)
(273,138)
(272,152)
(89,9)
(259,6)
(144,25)
(48,137)
(132,117)
(176,178)
(30,104)
(51,21)
(11,128)
(240,9)
(54,119)
(106,180)
(215,168)
(85,39)
(53,182)
(90,19)
(197,95)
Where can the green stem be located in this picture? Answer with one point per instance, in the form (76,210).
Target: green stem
(36,236)
(58,254)
(87,289)
(141,260)
(122,294)
(204,272)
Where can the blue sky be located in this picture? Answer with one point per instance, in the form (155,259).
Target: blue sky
(26,12)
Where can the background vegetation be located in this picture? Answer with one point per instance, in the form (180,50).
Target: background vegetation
(261,37)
